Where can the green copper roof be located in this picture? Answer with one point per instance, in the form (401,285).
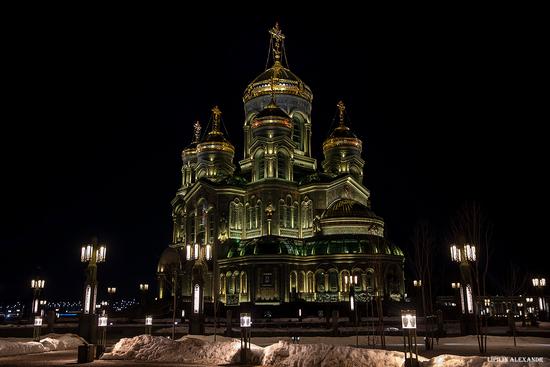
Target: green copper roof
(318,245)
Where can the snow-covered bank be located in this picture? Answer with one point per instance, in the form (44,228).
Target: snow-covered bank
(187,349)
(199,349)
(50,342)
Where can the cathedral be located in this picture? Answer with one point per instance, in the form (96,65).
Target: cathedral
(273,227)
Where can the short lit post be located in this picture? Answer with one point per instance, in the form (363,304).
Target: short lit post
(37,330)
(90,254)
(148,324)
(102,337)
(300,314)
(246,324)
(408,323)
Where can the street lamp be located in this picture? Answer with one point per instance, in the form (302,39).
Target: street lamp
(91,254)
(37,285)
(144,287)
(539,284)
(408,324)
(102,323)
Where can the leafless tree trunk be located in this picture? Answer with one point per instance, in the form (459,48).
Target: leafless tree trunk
(472,227)
(423,242)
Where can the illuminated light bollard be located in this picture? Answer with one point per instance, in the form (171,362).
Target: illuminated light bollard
(408,323)
(246,325)
(148,324)
(37,328)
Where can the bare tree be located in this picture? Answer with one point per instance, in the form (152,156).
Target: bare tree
(471,226)
(423,241)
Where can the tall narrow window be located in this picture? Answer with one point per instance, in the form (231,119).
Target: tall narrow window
(297,131)
(281,165)
(307,213)
(260,165)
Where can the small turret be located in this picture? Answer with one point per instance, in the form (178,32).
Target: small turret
(189,158)
(215,153)
(342,150)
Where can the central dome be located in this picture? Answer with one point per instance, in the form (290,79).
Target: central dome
(277,80)
(348,208)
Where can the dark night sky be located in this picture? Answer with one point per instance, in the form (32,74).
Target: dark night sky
(95,116)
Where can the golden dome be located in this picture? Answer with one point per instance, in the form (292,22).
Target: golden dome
(342,134)
(277,79)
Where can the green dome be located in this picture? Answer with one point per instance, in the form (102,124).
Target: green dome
(358,244)
(348,208)
(270,245)
(318,245)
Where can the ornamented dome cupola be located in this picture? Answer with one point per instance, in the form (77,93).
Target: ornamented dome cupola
(278,101)
(215,153)
(277,79)
(271,121)
(342,149)
(189,158)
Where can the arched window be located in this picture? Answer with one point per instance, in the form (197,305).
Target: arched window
(282,214)
(202,215)
(244,283)
(258,214)
(236,282)
(295,215)
(333,280)
(235,215)
(307,213)
(297,132)
(344,287)
(230,285)
(282,165)
(249,209)
(293,282)
(319,281)
(260,165)
(310,282)
(301,281)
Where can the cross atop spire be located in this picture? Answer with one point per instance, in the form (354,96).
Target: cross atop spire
(216,113)
(342,109)
(277,37)
(196,131)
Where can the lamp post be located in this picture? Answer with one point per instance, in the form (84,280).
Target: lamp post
(465,255)
(408,323)
(37,285)
(246,325)
(539,284)
(91,254)
(143,289)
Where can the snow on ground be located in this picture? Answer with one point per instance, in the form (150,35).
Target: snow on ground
(284,354)
(50,342)
(202,349)
(187,349)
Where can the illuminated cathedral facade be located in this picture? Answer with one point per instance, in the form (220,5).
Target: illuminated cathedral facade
(274,226)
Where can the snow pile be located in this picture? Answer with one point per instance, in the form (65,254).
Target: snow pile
(284,354)
(51,342)
(10,348)
(61,341)
(186,349)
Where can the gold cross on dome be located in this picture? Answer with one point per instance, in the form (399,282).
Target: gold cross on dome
(196,131)
(216,123)
(278,36)
(342,109)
